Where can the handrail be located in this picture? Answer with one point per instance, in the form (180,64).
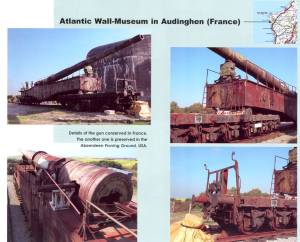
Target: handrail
(65,195)
(112,219)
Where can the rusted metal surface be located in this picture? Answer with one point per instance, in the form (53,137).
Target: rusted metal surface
(220,127)
(40,176)
(242,93)
(63,193)
(293,156)
(231,117)
(112,218)
(288,132)
(132,62)
(285,179)
(99,185)
(237,108)
(48,92)
(257,72)
(245,213)
(96,184)
(90,91)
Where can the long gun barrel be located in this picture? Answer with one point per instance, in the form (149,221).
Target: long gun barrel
(65,72)
(252,69)
(96,184)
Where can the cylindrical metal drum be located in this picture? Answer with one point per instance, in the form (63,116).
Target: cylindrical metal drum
(41,159)
(96,184)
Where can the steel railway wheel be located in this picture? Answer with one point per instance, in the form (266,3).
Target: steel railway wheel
(245,222)
(226,133)
(179,135)
(285,219)
(246,130)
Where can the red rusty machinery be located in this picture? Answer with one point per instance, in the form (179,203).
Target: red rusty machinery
(285,180)
(236,107)
(68,200)
(87,91)
(245,213)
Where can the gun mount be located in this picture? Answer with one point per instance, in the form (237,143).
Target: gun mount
(252,69)
(90,60)
(235,107)
(87,92)
(68,200)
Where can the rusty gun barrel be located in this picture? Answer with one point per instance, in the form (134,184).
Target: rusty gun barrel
(252,69)
(65,72)
(100,185)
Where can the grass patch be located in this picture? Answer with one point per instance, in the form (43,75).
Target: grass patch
(12,119)
(142,122)
(123,164)
(126,164)
(22,119)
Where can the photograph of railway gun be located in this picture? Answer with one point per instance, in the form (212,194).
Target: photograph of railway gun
(233,95)
(65,76)
(57,198)
(233,194)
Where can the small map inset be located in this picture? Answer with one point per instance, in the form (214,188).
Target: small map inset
(275,21)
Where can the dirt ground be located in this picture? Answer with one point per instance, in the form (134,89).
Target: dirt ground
(287,137)
(178,216)
(55,114)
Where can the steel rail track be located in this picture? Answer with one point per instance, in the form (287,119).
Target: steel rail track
(267,136)
(257,235)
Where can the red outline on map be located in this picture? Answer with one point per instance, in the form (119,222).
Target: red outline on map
(294,27)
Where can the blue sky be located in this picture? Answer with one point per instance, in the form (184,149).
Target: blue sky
(37,53)
(188,175)
(188,69)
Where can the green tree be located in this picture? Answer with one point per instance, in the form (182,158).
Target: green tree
(194,108)
(255,192)
(175,108)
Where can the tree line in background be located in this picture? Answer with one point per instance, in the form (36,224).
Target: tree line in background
(252,192)
(232,191)
(194,108)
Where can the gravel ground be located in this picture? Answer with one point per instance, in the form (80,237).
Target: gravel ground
(290,239)
(16,109)
(53,114)
(284,139)
(178,216)
(16,219)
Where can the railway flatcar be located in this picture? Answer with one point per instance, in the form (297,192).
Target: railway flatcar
(89,91)
(67,200)
(248,214)
(237,107)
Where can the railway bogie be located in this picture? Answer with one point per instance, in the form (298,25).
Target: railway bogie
(247,214)
(235,107)
(202,128)
(87,92)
